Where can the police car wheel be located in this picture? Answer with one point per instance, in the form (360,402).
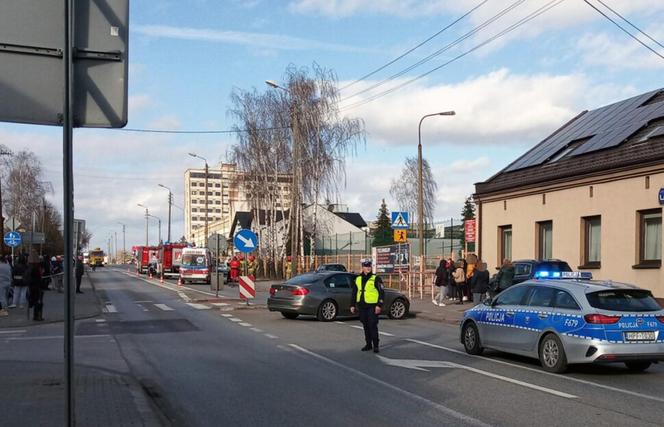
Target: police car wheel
(471,339)
(552,354)
(327,311)
(637,366)
(398,309)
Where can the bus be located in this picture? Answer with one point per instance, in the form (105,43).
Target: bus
(96,257)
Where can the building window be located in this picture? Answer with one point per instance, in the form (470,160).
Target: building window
(217,193)
(592,238)
(504,243)
(194,210)
(545,240)
(647,182)
(650,238)
(217,185)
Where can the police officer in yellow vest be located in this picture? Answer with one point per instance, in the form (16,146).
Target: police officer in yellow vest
(367,299)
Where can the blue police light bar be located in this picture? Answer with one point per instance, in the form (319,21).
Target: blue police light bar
(544,274)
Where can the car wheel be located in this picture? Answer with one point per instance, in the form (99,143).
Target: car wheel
(552,354)
(398,309)
(289,315)
(327,311)
(638,366)
(471,339)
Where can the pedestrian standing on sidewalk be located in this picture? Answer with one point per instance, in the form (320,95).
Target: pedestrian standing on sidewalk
(33,280)
(459,276)
(79,274)
(20,288)
(367,299)
(5,283)
(441,281)
(479,283)
(451,285)
(505,277)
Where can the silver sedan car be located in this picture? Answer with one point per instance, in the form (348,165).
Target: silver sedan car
(568,321)
(326,295)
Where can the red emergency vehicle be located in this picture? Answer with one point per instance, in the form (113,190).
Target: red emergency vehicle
(170,258)
(144,255)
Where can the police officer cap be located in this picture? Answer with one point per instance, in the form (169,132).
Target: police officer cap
(366,262)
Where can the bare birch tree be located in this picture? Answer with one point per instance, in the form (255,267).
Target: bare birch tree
(404,189)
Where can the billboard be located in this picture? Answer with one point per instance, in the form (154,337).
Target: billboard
(470,227)
(392,258)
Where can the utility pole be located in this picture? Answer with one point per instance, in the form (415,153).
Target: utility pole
(147,224)
(170,203)
(420,191)
(124,248)
(116,246)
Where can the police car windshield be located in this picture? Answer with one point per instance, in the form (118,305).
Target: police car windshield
(623,300)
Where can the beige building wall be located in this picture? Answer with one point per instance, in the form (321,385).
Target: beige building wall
(617,198)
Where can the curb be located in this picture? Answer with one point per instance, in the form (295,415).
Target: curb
(436,317)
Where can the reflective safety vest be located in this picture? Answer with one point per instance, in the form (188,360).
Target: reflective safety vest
(369,290)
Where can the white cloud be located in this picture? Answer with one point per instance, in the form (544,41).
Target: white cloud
(167,122)
(138,103)
(260,40)
(495,108)
(465,165)
(620,51)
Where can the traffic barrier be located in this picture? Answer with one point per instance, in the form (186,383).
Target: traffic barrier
(247,288)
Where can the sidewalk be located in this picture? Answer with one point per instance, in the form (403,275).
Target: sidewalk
(33,395)
(86,305)
(451,314)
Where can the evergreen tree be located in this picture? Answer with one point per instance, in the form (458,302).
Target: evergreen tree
(468,212)
(383,234)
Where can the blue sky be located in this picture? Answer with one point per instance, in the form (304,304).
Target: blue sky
(187,57)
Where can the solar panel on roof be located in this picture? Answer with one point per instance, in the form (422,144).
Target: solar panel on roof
(610,125)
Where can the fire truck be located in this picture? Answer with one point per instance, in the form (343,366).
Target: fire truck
(144,254)
(170,258)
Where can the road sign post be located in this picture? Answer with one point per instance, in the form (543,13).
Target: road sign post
(247,288)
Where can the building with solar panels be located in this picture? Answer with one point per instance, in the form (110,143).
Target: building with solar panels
(590,194)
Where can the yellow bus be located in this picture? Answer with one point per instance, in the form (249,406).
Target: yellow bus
(96,258)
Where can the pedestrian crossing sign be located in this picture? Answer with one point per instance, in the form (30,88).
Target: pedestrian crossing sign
(399,220)
(400,236)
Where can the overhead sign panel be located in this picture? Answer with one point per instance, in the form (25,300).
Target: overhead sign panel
(31,62)
(399,220)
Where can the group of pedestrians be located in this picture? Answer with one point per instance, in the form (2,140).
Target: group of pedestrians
(460,281)
(25,281)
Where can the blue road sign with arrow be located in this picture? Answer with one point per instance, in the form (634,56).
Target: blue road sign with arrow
(246,241)
(12,239)
(399,220)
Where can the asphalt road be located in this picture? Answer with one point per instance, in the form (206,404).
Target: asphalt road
(220,365)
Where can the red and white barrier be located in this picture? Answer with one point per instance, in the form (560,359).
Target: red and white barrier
(247,288)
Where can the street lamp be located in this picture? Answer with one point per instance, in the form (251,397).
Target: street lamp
(124,248)
(206,194)
(295,186)
(170,203)
(420,191)
(147,214)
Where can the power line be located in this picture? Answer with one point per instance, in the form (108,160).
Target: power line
(193,131)
(631,24)
(440,51)
(624,30)
(447,27)
(551,4)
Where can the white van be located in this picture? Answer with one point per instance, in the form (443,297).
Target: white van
(196,265)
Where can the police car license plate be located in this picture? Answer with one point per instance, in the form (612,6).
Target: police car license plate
(640,336)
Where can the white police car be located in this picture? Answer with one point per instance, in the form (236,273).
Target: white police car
(569,320)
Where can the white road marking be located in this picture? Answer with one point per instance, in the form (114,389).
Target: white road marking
(234,319)
(198,306)
(339,322)
(245,324)
(226,315)
(163,307)
(100,320)
(142,308)
(387,334)
(356,327)
(14,331)
(220,304)
(257,330)
(140,302)
(526,368)
(273,337)
(110,308)
(444,409)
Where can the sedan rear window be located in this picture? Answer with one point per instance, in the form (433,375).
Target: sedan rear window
(623,300)
(303,279)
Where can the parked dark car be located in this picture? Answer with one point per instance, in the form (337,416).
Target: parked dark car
(525,269)
(330,267)
(326,295)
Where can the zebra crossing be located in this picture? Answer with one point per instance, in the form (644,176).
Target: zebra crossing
(147,306)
